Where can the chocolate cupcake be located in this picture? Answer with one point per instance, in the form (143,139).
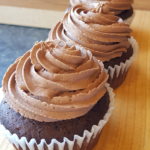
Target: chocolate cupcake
(121,8)
(55,97)
(104,34)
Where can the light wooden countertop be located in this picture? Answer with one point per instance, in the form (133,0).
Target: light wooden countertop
(42,13)
(129,125)
(60,5)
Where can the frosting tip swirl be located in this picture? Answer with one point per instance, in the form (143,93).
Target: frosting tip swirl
(54,81)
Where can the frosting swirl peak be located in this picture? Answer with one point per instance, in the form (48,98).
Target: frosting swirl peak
(94,28)
(54,81)
(116,6)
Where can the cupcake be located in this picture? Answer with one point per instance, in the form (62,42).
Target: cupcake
(104,34)
(121,8)
(55,97)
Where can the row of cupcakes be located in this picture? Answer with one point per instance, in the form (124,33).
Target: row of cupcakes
(104,34)
(55,95)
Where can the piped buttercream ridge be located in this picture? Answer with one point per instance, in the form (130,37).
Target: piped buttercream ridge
(94,28)
(54,81)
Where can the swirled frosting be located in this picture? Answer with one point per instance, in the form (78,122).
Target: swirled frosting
(116,6)
(54,81)
(95,29)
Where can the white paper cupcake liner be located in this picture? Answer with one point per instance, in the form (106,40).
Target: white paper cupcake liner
(87,140)
(129,20)
(119,70)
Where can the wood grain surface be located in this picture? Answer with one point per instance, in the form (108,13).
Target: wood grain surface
(129,126)
(60,5)
(29,17)
(142,4)
(41,13)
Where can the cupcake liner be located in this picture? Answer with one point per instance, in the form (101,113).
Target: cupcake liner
(87,141)
(129,20)
(118,73)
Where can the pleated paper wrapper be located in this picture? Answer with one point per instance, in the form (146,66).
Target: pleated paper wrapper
(118,74)
(86,142)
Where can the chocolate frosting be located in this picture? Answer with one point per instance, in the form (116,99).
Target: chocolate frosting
(54,81)
(95,29)
(116,6)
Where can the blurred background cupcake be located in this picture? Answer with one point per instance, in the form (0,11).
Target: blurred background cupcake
(121,8)
(55,96)
(104,34)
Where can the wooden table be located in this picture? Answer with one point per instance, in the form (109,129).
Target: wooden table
(129,126)
(60,5)
(42,13)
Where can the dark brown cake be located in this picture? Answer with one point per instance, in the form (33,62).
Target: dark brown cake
(118,60)
(118,80)
(126,14)
(22,126)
